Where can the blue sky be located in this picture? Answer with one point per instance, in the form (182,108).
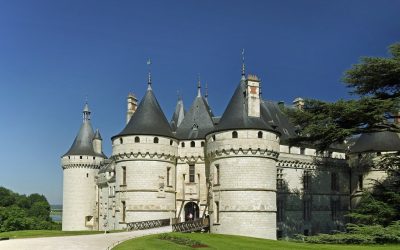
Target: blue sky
(54,53)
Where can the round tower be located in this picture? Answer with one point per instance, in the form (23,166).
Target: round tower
(80,166)
(145,154)
(242,155)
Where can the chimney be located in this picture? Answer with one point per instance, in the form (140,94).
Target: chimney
(253,96)
(132,105)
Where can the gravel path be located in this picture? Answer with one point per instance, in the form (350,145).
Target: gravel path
(81,242)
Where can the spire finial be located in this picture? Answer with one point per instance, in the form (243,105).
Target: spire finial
(149,73)
(243,67)
(198,86)
(86,111)
(179,95)
(206,94)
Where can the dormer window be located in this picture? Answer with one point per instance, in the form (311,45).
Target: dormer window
(155,140)
(137,139)
(234,134)
(195,126)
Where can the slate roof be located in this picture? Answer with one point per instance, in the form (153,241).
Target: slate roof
(178,115)
(83,143)
(197,121)
(381,141)
(148,119)
(235,115)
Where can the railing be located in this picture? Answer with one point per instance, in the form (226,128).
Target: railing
(141,225)
(191,225)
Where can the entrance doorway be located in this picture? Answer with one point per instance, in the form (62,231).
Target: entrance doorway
(191,211)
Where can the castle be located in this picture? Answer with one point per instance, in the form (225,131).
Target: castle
(238,169)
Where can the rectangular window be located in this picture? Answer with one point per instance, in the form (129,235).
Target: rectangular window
(307,210)
(216,174)
(279,179)
(123,211)
(302,151)
(360,182)
(216,219)
(191,173)
(123,175)
(168,176)
(307,181)
(334,182)
(281,209)
(335,207)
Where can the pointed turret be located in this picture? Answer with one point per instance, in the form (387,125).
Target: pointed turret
(83,143)
(178,115)
(197,121)
(98,143)
(148,119)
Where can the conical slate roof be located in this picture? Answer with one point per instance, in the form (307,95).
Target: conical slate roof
(97,135)
(148,119)
(382,141)
(83,143)
(178,115)
(197,122)
(235,115)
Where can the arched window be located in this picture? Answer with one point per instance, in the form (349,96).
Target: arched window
(137,139)
(192,144)
(202,144)
(213,137)
(260,134)
(183,144)
(121,141)
(155,140)
(234,134)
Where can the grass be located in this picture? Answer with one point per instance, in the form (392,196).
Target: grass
(46,233)
(220,241)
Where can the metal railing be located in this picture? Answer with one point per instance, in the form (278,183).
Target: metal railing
(191,225)
(141,225)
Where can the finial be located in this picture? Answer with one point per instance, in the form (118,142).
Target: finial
(243,67)
(149,77)
(198,86)
(86,111)
(179,95)
(206,94)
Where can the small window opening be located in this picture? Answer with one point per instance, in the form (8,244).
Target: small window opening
(87,175)
(183,144)
(302,151)
(360,182)
(234,134)
(155,140)
(202,144)
(213,137)
(260,134)
(137,139)
(192,144)
(69,157)
(216,219)
(123,175)
(171,142)
(94,158)
(217,173)
(121,141)
(168,176)
(80,157)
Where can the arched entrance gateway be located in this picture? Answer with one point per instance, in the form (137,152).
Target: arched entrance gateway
(191,211)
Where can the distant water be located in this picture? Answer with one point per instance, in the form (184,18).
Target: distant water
(56,217)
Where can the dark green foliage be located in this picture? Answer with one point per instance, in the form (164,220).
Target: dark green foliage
(360,235)
(19,212)
(181,240)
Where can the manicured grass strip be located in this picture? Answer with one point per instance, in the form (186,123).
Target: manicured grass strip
(44,233)
(220,241)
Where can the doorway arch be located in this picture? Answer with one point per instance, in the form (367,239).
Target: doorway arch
(191,211)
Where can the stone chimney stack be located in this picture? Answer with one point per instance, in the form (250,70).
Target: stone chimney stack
(253,96)
(132,105)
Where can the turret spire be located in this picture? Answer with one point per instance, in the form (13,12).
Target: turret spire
(243,67)
(198,86)
(149,74)
(86,112)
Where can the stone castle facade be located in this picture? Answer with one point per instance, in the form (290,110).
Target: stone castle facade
(238,169)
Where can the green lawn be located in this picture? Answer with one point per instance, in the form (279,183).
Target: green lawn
(44,233)
(218,241)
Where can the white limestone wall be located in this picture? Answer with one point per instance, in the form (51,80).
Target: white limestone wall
(246,191)
(146,194)
(185,190)
(79,192)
